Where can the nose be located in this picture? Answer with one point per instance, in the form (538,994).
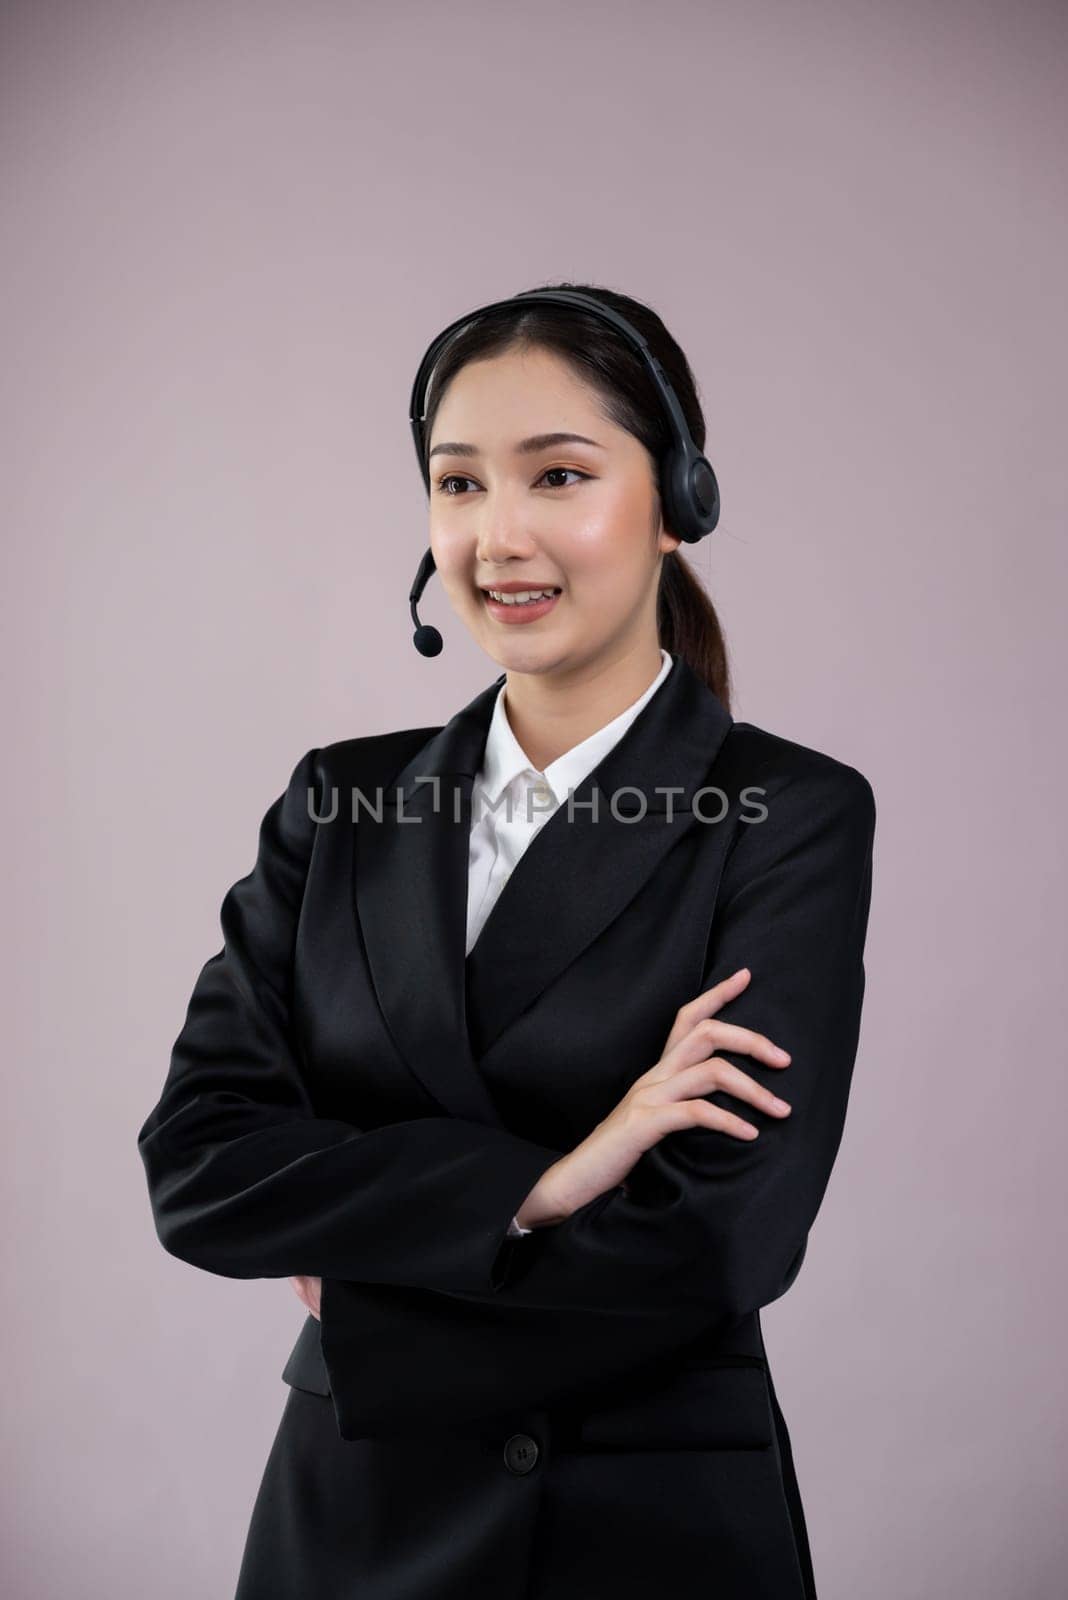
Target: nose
(502,538)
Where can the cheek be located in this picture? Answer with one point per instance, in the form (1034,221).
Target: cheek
(454,558)
(613,524)
(610,553)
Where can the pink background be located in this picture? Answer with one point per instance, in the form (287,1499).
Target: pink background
(230,233)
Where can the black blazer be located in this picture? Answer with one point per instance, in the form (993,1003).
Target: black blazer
(350,1097)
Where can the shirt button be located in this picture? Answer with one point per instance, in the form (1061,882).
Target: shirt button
(543,793)
(520,1453)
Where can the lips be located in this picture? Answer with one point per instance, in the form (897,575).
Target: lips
(526,612)
(532,586)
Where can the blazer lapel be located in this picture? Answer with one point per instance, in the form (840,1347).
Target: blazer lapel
(410,885)
(579,872)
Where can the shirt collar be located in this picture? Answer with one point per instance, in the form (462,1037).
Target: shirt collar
(504,758)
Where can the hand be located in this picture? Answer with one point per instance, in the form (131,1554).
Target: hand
(666,1098)
(309,1290)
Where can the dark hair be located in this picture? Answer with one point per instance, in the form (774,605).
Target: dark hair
(687,623)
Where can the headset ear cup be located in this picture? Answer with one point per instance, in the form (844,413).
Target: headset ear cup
(672,505)
(704,493)
(690,495)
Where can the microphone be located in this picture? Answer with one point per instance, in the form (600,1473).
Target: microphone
(427,639)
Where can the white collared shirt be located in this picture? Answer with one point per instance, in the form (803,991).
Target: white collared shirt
(511,800)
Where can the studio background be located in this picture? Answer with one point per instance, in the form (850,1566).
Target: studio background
(231,230)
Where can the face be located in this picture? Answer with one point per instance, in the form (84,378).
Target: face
(583,518)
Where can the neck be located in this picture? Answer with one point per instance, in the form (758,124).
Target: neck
(550,713)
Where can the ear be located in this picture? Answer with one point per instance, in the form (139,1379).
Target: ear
(666,541)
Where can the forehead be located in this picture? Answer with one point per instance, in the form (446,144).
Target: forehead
(518,402)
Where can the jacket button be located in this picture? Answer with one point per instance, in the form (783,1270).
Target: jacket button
(520,1453)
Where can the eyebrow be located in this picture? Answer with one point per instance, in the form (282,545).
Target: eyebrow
(525,447)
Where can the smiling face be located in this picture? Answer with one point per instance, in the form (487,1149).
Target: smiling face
(582,516)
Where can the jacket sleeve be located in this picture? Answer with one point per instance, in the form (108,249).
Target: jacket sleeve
(708,1227)
(246,1181)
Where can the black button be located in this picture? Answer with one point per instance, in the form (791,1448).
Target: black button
(520,1453)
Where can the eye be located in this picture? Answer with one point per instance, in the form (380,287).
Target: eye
(575,473)
(457,477)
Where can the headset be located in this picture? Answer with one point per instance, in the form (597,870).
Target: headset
(688,488)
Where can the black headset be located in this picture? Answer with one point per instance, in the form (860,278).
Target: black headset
(688,488)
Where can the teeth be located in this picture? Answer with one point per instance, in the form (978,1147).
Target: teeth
(521,597)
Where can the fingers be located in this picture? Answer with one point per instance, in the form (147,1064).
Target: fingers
(693,1112)
(709,1035)
(705,1004)
(701,1113)
(729,1036)
(307,1290)
(712,999)
(673,1090)
(704,1007)
(704,1115)
(676,1098)
(705,1077)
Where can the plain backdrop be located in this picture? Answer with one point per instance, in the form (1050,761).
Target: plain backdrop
(230,232)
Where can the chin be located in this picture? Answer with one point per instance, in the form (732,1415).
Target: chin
(550,657)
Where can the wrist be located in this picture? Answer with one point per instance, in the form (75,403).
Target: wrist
(547,1203)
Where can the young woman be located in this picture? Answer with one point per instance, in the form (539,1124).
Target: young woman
(528,1051)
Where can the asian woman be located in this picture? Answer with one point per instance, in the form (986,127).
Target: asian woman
(527,1054)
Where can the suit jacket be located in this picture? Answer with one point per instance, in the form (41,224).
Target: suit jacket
(589,1408)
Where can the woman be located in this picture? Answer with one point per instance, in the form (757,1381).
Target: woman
(488,1063)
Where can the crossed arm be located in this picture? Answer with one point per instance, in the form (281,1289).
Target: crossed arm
(430,1313)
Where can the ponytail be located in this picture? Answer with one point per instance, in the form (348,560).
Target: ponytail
(689,627)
